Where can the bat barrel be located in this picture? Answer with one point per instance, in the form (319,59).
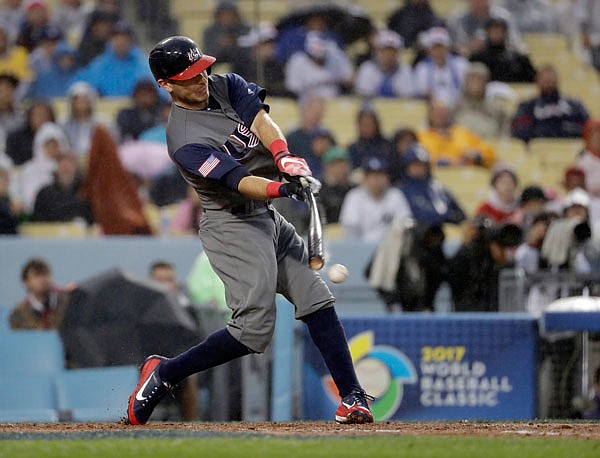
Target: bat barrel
(316,260)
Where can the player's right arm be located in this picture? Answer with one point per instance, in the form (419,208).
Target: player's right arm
(213,164)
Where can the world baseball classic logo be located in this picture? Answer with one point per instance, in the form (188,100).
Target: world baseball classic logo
(382,371)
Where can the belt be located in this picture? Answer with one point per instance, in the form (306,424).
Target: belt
(244,209)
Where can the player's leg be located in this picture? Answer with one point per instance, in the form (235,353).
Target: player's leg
(313,303)
(243,256)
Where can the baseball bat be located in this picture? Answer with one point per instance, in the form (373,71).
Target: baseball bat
(316,259)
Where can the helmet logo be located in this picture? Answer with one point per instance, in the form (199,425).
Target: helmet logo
(193,54)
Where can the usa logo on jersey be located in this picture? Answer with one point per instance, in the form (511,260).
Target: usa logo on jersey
(241,140)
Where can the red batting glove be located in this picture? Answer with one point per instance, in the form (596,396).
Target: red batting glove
(286,163)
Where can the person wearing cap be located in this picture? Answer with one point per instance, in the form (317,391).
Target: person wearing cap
(589,159)
(451,144)
(369,209)
(221,37)
(550,114)
(482,114)
(322,69)
(430,202)
(115,72)
(385,75)
(33,27)
(96,35)
(412,18)
(505,64)
(532,201)
(502,201)
(440,75)
(255,59)
(42,57)
(337,170)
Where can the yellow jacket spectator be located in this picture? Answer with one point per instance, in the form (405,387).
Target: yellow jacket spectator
(13,59)
(451,144)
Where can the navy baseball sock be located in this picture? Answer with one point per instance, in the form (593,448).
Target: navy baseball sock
(218,348)
(328,335)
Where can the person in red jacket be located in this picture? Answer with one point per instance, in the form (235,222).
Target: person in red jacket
(502,201)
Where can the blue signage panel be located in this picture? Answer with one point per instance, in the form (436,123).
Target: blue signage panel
(426,367)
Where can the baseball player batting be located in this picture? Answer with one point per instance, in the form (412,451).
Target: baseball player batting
(226,146)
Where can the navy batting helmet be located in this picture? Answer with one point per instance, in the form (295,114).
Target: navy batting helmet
(178,58)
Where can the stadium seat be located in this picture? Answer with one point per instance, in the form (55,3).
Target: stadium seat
(111,387)
(27,398)
(4,314)
(70,230)
(30,352)
(469,185)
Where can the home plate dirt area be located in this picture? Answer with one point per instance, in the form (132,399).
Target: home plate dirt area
(579,430)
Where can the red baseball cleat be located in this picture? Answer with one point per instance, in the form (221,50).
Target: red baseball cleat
(354,408)
(148,393)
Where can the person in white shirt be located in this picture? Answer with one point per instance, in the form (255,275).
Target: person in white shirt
(385,75)
(368,209)
(441,74)
(318,71)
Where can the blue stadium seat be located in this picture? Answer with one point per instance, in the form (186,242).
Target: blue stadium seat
(98,394)
(4,314)
(31,352)
(27,398)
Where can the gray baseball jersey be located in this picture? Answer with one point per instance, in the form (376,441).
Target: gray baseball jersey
(252,248)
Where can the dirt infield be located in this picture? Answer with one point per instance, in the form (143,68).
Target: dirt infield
(580,430)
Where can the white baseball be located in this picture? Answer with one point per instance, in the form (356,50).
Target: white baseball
(337,273)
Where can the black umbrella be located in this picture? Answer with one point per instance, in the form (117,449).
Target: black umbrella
(117,319)
(348,21)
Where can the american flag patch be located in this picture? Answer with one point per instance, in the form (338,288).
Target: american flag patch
(209,165)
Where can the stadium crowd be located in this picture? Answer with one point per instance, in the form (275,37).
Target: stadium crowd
(112,175)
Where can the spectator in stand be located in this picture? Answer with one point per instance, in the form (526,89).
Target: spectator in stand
(414,17)
(292,39)
(96,36)
(402,140)
(592,410)
(527,255)
(19,142)
(49,144)
(321,140)
(45,303)
(37,19)
(369,209)
(13,58)
(467,27)
(81,120)
(322,70)
(11,116)
(220,38)
(451,144)
(505,64)
(590,29)
(589,160)
(42,56)
(532,202)
(71,16)
(440,75)
(533,15)
(116,72)
(144,114)
(61,200)
(430,203)
(9,215)
(483,115)
(311,116)
(12,15)
(336,182)
(370,141)
(385,75)
(502,201)
(549,114)
(255,60)
(55,80)
(474,270)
